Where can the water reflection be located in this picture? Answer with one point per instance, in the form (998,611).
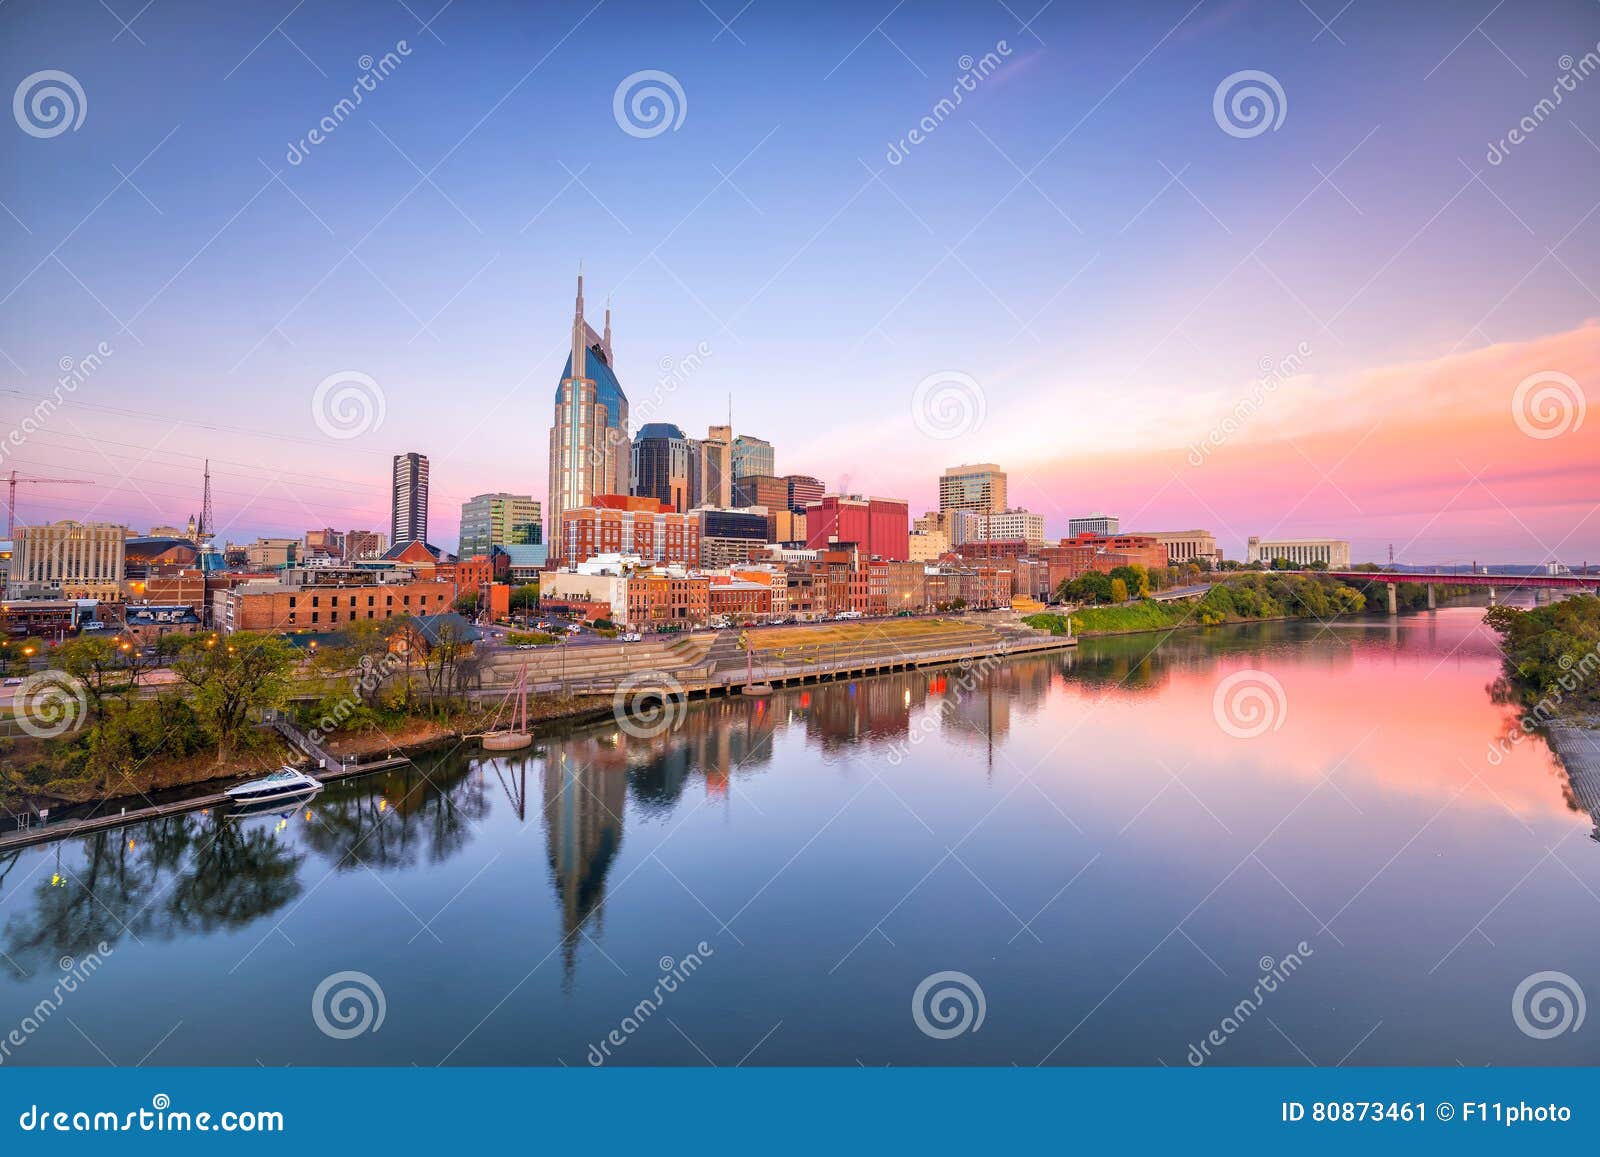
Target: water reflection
(515,847)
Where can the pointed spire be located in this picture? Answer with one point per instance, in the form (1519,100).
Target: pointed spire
(605,341)
(580,365)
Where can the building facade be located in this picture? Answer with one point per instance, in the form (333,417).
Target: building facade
(728,537)
(803,491)
(880,527)
(752,455)
(408,516)
(716,468)
(765,490)
(665,461)
(1188,546)
(1335,552)
(589,449)
(971,526)
(500,519)
(274,606)
(1096,523)
(979,487)
(630,525)
(72,560)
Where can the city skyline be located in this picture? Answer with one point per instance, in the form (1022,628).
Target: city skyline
(1377,283)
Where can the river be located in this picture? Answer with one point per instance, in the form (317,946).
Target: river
(1280,844)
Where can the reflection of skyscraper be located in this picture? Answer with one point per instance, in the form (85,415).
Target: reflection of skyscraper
(589,452)
(583,802)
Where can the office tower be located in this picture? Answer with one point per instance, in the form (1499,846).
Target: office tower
(1095,523)
(761,490)
(980,486)
(751,455)
(716,467)
(664,462)
(589,452)
(68,560)
(803,491)
(499,519)
(408,519)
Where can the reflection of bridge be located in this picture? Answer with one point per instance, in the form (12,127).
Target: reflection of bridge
(1494,582)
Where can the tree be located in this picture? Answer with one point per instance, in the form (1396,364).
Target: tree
(1089,587)
(99,666)
(525,598)
(1119,590)
(1133,578)
(233,679)
(467,604)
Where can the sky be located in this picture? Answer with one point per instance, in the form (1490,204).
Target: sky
(1358,308)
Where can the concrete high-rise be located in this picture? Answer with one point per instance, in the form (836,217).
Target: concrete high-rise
(589,448)
(716,468)
(979,487)
(408,518)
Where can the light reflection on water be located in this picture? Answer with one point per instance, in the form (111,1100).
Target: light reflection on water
(1076,833)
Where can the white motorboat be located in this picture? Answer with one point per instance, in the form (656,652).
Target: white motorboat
(284,784)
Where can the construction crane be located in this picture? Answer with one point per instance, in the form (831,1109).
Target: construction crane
(11,494)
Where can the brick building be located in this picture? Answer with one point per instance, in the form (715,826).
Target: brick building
(629,524)
(272,606)
(880,527)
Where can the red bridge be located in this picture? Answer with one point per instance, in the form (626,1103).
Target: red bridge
(1495,582)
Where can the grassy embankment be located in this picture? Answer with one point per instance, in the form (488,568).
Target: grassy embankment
(1552,657)
(1242,598)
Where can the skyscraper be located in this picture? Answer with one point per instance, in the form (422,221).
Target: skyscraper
(803,490)
(491,520)
(980,487)
(664,463)
(408,519)
(589,451)
(716,467)
(751,455)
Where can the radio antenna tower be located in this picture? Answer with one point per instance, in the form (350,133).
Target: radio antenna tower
(207,517)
